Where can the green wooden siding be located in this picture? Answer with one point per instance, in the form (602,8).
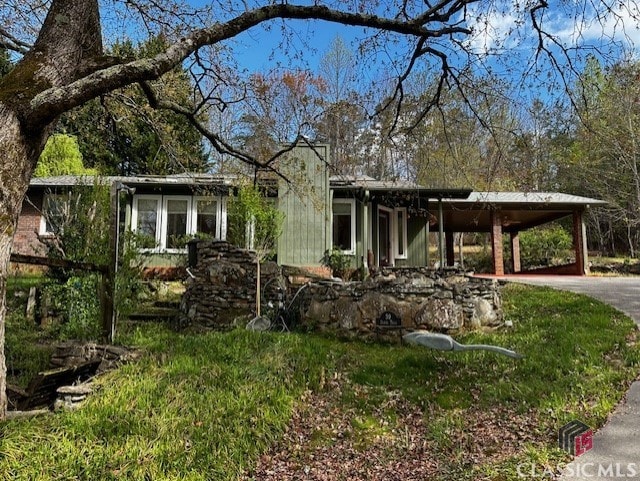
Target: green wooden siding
(416,243)
(306,206)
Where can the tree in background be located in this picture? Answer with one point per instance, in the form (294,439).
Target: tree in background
(5,62)
(120,134)
(61,156)
(342,118)
(604,160)
(282,106)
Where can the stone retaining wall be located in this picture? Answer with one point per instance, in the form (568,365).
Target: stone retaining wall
(223,294)
(420,298)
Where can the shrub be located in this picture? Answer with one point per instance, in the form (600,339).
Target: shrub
(81,224)
(544,246)
(337,261)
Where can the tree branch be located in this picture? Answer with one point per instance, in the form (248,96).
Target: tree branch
(52,102)
(10,42)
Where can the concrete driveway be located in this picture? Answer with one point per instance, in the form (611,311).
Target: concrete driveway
(616,447)
(623,293)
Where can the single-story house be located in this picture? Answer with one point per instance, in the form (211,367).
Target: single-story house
(376,223)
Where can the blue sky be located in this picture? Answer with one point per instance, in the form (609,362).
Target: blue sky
(500,42)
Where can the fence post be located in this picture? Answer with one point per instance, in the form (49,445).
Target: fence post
(108,283)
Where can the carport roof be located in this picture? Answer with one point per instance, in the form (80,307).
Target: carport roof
(516,210)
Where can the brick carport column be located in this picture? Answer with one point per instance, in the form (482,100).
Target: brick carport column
(515,251)
(496,243)
(580,243)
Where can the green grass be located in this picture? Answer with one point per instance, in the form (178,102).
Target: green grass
(196,407)
(28,349)
(205,406)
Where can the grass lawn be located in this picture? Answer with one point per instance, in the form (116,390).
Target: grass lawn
(243,405)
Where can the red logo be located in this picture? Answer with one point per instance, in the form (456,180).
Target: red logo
(575,438)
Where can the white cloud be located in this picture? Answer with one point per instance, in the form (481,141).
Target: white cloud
(573,23)
(492,30)
(591,27)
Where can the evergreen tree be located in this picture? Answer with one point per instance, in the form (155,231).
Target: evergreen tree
(121,134)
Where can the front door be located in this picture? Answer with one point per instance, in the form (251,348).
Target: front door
(385,257)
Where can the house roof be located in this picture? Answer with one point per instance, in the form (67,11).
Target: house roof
(186,179)
(516,210)
(374,186)
(527,198)
(463,210)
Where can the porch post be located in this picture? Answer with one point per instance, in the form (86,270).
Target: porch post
(426,237)
(580,244)
(451,255)
(496,244)
(365,230)
(441,234)
(515,251)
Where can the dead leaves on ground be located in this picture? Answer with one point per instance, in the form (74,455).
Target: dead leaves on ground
(351,432)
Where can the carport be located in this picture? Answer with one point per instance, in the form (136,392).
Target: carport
(500,213)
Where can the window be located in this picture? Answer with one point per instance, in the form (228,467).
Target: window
(55,212)
(176,222)
(401,233)
(145,220)
(344,225)
(164,223)
(206,217)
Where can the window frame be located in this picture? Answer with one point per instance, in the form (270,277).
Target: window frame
(396,226)
(134,219)
(42,230)
(220,229)
(352,204)
(162,201)
(165,222)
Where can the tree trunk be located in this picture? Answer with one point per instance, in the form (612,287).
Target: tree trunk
(20,155)
(67,47)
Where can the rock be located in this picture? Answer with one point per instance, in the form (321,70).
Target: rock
(71,397)
(440,314)
(373,304)
(483,314)
(345,313)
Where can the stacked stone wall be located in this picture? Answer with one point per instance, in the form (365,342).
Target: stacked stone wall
(222,294)
(223,290)
(420,298)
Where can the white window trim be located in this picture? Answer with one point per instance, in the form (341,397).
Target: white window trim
(134,218)
(43,219)
(163,224)
(352,203)
(223,217)
(396,242)
(161,220)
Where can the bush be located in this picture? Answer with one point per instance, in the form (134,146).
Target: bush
(80,236)
(337,261)
(79,305)
(544,246)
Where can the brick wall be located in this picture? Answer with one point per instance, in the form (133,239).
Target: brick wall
(25,240)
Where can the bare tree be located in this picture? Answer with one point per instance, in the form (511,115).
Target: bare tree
(62,65)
